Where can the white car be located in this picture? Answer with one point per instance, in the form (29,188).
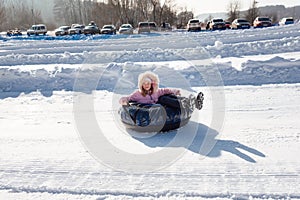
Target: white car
(126,29)
(194,25)
(216,24)
(240,23)
(286,21)
(108,29)
(37,29)
(76,29)
(63,30)
(261,22)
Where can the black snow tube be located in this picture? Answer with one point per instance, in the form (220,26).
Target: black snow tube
(154,117)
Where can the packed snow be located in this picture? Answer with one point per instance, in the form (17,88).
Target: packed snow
(61,136)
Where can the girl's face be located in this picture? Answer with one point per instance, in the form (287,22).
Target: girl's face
(147,85)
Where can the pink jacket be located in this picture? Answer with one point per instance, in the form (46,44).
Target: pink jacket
(157,92)
(153,98)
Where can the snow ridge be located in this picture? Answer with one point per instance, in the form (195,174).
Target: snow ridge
(146,195)
(274,71)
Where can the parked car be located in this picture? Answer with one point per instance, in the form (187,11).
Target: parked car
(153,26)
(166,27)
(15,32)
(37,29)
(194,25)
(126,29)
(76,29)
(108,29)
(62,30)
(143,27)
(240,24)
(91,29)
(228,25)
(217,24)
(286,21)
(260,22)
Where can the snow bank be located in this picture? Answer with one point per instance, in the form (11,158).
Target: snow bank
(274,71)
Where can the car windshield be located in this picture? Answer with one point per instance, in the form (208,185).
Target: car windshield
(108,26)
(38,27)
(218,20)
(194,21)
(263,19)
(125,26)
(289,20)
(143,24)
(64,28)
(242,20)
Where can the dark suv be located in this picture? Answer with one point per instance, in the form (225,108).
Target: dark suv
(153,26)
(143,27)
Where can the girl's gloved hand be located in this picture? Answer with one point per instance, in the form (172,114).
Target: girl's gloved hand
(123,102)
(177,92)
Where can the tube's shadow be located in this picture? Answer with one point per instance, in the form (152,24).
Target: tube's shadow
(204,143)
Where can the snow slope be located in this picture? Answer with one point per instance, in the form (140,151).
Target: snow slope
(61,137)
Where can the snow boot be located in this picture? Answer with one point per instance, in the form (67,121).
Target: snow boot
(199,101)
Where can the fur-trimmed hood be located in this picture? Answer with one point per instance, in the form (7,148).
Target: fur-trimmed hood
(148,75)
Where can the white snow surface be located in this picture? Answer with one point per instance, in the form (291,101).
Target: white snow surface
(58,100)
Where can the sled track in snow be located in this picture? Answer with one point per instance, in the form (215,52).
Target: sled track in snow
(136,194)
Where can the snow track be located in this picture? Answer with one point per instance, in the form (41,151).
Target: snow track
(249,160)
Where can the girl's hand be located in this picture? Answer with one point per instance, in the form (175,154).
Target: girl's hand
(123,102)
(177,92)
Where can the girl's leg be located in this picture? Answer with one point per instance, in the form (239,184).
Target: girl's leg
(182,102)
(170,100)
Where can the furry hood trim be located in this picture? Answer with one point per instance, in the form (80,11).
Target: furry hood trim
(145,77)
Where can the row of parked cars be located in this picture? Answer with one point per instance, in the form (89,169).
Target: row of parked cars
(92,28)
(240,23)
(147,27)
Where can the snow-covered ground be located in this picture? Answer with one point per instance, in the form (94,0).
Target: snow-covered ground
(61,137)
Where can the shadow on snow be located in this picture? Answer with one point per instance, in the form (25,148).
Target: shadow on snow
(203,136)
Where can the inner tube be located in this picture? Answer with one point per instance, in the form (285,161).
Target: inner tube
(154,117)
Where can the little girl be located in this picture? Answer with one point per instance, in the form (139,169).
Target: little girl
(150,93)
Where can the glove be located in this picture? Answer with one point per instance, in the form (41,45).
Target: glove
(123,101)
(177,92)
